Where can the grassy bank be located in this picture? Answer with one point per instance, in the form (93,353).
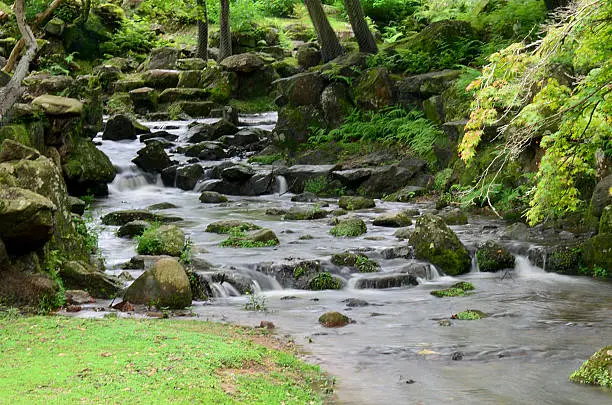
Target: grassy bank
(49,359)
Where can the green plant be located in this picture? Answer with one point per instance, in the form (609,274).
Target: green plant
(318,185)
(366,265)
(148,242)
(298,272)
(470,315)
(325,281)
(600,272)
(278,8)
(596,370)
(187,253)
(256,302)
(9,314)
(349,228)
(239,239)
(266,159)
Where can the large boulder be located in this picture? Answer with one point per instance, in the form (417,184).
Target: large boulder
(205,151)
(12,150)
(164,240)
(303,89)
(161,78)
(596,370)
(87,169)
(26,219)
(597,253)
(243,63)
(163,58)
(308,55)
(494,257)
(165,285)
(436,243)
(351,203)
(374,89)
(424,85)
(349,227)
(601,196)
(387,280)
(297,176)
(187,177)
(562,258)
(336,103)
(144,99)
(78,275)
(118,128)
(59,106)
(153,158)
(119,218)
(605,222)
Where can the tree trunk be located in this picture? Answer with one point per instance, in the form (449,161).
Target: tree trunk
(202,51)
(225,34)
(10,93)
(364,37)
(330,45)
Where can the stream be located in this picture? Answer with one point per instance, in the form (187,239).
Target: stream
(542,326)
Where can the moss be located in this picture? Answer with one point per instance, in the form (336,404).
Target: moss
(87,167)
(470,315)
(324,281)
(456,290)
(17,133)
(597,252)
(226,227)
(241,239)
(161,240)
(494,257)
(597,370)
(350,227)
(266,159)
(360,262)
(120,103)
(254,105)
(355,203)
(334,320)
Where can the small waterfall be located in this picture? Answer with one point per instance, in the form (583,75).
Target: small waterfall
(475,268)
(433,273)
(281,186)
(223,290)
(131,178)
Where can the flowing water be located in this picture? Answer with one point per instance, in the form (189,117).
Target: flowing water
(542,325)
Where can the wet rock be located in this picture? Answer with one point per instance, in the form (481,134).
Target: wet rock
(387,280)
(172,95)
(303,89)
(308,55)
(390,178)
(470,315)
(456,356)
(77,206)
(266,325)
(153,158)
(59,106)
(162,206)
(493,257)
(393,220)
(355,302)
(605,222)
(517,231)
(263,236)
(349,227)
(436,243)
(596,370)
(406,194)
(355,203)
(158,135)
(118,128)
(356,261)
(562,259)
(187,176)
(135,263)
(126,276)
(352,178)
(305,197)
(224,127)
(164,285)
(454,216)
(26,219)
(334,320)
(119,218)
(239,173)
(78,297)
(456,290)
(163,58)
(132,229)
(212,197)
(12,150)
(80,276)
(87,169)
(374,89)
(303,213)
(597,252)
(165,240)
(144,99)
(201,133)
(205,151)
(336,103)
(223,227)
(244,137)
(445,322)
(404,252)
(275,211)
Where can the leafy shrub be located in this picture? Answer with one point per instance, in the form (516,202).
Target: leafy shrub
(180,12)
(385,11)
(325,281)
(278,8)
(133,36)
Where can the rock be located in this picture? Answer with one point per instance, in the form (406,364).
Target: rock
(493,257)
(223,227)
(166,285)
(454,216)
(243,63)
(403,233)
(308,55)
(286,67)
(165,240)
(562,259)
(183,94)
(111,15)
(374,89)
(305,197)
(303,89)
(77,275)
(191,64)
(596,370)
(350,227)
(161,78)
(187,176)
(436,243)
(402,251)
(357,262)
(190,79)
(239,173)
(406,194)
(162,206)
(517,231)
(163,58)
(456,290)
(355,302)
(152,158)
(601,196)
(336,103)
(201,133)
(205,151)
(127,85)
(77,206)
(55,27)
(263,236)
(253,239)
(425,85)
(387,280)
(132,229)
(12,150)
(119,218)
(355,203)
(224,127)
(59,106)
(597,252)
(26,219)
(470,315)
(605,222)
(118,128)
(87,169)
(298,175)
(388,179)
(212,197)
(159,135)
(334,320)
(144,99)
(393,220)
(78,297)
(302,213)
(195,109)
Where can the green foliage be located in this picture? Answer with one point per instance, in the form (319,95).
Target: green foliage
(187,253)
(149,243)
(278,8)
(469,315)
(349,228)
(366,265)
(325,281)
(9,314)
(134,36)
(298,272)
(456,290)
(239,239)
(52,265)
(256,302)
(596,370)
(317,185)
(266,159)
(384,12)
(253,105)
(177,12)
(442,179)
(183,360)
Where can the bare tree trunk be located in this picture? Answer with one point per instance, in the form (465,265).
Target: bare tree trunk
(10,93)
(40,19)
(330,45)
(202,51)
(364,37)
(225,33)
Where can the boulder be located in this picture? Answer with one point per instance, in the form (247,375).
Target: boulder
(212,197)
(601,196)
(161,78)
(304,213)
(298,175)
(190,78)
(132,229)
(253,239)
(424,85)
(119,218)
(164,240)
(224,227)
(244,137)
(152,158)
(336,103)
(165,285)
(163,58)
(187,176)
(191,64)
(144,99)
(26,219)
(374,89)
(493,257)
(11,150)
(308,55)
(303,89)
(356,262)
(393,220)
(127,85)
(334,320)
(87,169)
(349,227)
(453,216)
(239,173)
(201,133)
(171,95)
(351,203)
(41,84)
(119,127)
(387,280)
(55,27)
(305,197)
(436,243)
(597,252)
(77,206)
(194,109)
(77,275)
(59,106)
(596,370)
(562,259)
(205,151)
(224,127)
(111,15)
(605,222)
(78,297)
(243,63)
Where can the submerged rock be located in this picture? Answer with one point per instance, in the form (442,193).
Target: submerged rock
(132,229)
(387,280)
(493,257)
(212,197)
(334,320)
(305,197)
(355,203)
(393,220)
(165,285)
(118,128)
(436,243)
(119,218)
(223,227)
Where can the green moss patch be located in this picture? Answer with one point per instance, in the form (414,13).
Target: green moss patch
(456,290)
(325,281)
(470,315)
(358,261)
(597,370)
(350,227)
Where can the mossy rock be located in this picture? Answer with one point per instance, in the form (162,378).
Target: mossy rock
(212,197)
(605,222)
(334,320)
(78,275)
(393,220)
(224,227)
(456,290)
(164,240)
(357,261)
(254,239)
(493,257)
(597,252)
(454,216)
(355,203)
(304,213)
(87,169)
(324,281)
(119,218)
(436,243)
(350,227)
(470,315)
(597,370)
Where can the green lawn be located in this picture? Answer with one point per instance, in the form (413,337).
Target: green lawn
(69,360)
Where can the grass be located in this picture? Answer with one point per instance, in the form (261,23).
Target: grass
(254,105)
(266,159)
(146,361)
